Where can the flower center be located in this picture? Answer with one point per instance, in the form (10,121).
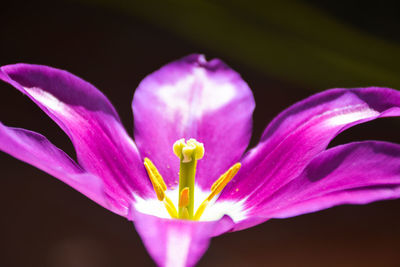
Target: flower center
(188,153)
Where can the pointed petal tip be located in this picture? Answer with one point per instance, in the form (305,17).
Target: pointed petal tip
(305,129)
(90,120)
(337,176)
(33,148)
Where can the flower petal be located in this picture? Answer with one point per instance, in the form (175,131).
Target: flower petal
(193,98)
(36,150)
(177,243)
(355,173)
(86,115)
(301,132)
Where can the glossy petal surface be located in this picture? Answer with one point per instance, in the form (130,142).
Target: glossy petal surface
(300,133)
(85,114)
(193,98)
(36,150)
(355,173)
(289,173)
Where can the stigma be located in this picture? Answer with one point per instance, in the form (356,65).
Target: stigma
(188,153)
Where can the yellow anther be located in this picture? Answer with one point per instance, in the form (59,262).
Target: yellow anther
(160,187)
(188,153)
(222,181)
(156,179)
(184,199)
(157,176)
(219,181)
(216,188)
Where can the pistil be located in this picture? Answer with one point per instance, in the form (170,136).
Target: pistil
(188,153)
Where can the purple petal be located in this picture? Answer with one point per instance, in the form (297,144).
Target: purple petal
(86,115)
(356,173)
(36,150)
(193,98)
(301,132)
(177,243)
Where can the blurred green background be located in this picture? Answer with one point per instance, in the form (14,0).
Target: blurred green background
(286,50)
(293,40)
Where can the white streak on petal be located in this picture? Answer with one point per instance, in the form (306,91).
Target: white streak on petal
(177,248)
(49,101)
(191,97)
(235,210)
(350,114)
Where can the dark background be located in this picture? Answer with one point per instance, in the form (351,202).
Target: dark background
(284,51)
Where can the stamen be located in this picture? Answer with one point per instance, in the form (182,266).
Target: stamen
(223,180)
(216,188)
(170,207)
(158,188)
(185,214)
(184,198)
(155,172)
(188,153)
(169,202)
(200,210)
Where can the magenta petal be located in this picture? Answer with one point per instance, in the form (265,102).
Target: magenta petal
(86,115)
(193,98)
(177,243)
(356,173)
(36,150)
(301,132)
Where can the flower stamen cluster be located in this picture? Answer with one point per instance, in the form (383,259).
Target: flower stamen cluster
(188,153)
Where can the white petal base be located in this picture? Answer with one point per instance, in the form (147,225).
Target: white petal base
(214,211)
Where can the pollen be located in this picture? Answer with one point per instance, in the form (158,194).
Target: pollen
(189,153)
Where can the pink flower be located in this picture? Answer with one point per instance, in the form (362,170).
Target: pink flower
(290,172)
